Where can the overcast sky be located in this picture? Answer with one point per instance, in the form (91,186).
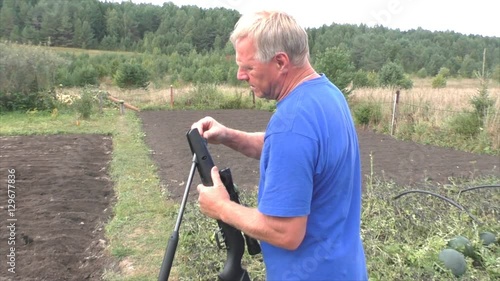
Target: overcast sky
(466,17)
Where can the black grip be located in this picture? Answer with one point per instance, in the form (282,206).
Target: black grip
(235,247)
(253,245)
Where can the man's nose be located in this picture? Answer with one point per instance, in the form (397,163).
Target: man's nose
(241,75)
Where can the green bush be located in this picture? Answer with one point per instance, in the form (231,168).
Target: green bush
(41,101)
(267,105)
(482,102)
(85,104)
(336,63)
(367,113)
(26,70)
(205,96)
(235,101)
(86,75)
(363,79)
(392,75)
(422,73)
(466,124)
(439,81)
(131,75)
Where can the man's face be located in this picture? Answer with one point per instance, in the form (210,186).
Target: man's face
(262,77)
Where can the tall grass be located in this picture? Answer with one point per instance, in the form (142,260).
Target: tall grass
(201,96)
(428,115)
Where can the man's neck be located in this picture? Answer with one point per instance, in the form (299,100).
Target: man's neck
(295,78)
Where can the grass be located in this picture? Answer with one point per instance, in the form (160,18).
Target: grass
(45,123)
(143,218)
(402,236)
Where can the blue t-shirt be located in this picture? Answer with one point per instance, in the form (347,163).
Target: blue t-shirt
(310,166)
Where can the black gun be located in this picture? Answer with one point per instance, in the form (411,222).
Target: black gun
(232,237)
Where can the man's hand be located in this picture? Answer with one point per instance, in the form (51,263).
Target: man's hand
(210,129)
(211,198)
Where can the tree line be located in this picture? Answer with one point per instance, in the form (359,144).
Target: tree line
(169,29)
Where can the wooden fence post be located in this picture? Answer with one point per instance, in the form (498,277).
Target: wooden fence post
(253,98)
(394,111)
(122,107)
(100,102)
(171,97)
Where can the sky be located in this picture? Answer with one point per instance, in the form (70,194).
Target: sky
(479,17)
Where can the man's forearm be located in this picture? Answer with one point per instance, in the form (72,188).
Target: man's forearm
(286,233)
(249,144)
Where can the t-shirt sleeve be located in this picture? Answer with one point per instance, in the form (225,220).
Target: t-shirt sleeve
(288,164)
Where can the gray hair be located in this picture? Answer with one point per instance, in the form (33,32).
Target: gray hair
(273,32)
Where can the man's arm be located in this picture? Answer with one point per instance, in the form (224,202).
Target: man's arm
(249,144)
(286,233)
(282,232)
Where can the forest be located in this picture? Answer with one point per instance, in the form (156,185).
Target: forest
(170,29)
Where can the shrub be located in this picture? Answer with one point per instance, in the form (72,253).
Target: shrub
(422,73)
(131,75)
(27,69)
(366,113)
(203,96)
(336,63)
(392,75)
(85,104)
(466,124)
(482,102)
(40,101)
(364,79)
(439,81)
(444,71)
(233,102)
(86,75)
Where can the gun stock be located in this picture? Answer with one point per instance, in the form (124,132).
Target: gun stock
(233,238)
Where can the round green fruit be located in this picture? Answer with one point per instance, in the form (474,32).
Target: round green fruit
(454,261)
(463,245)
(487,238)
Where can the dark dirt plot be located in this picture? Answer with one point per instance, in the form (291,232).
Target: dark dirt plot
(406,163)
(62,201)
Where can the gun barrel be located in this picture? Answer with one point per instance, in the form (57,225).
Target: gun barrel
(168,258)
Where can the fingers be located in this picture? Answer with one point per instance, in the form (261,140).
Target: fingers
(210,197)
(203,124)
(210,129)
(216,176)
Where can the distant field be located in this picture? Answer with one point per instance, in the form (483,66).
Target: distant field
(455,96)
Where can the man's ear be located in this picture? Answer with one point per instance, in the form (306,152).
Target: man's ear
(281,60)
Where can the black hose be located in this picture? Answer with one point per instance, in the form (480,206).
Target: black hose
(441,197)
